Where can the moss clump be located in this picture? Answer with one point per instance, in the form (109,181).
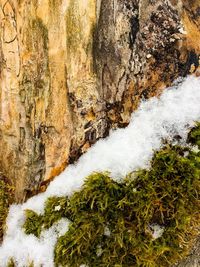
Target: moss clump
(6,197)
(11,263)
(33,224)
(114,224)
(194,135)
(55,209)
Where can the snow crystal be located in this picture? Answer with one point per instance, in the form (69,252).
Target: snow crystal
(156,230)
(57,208)
(107,231)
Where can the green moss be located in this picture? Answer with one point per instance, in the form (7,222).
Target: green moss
(55,209)
(194,135)
(33,224)
(6,196)
(112,223)
(11,263)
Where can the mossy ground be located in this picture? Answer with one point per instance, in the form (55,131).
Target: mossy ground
(6,197)
(113,224)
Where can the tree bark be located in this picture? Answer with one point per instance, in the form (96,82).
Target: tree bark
(71,70)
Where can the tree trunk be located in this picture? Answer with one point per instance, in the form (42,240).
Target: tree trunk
(71,70)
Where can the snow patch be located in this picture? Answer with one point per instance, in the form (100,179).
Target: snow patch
(156,230)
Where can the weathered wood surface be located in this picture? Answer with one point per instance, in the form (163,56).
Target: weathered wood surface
(71,70)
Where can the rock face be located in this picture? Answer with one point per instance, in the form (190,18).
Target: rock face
(71,69)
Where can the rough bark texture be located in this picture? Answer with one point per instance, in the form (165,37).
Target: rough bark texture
(70,70)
